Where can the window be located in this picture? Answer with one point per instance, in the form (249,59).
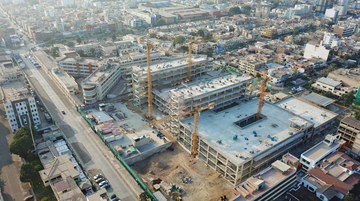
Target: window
(322,197)
(311,189)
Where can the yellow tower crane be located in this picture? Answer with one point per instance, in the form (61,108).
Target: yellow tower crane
(190,60)
(191,42)
(148,47)
(194,146)
(261,97)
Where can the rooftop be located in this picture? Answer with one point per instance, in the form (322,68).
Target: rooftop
(171,64)
(219,129)
(271,176)
(15,90)
(208,86)
(320,150)
(329,81)
(61,165)
(315,114)
(318,99)
(65,78)
(351,122)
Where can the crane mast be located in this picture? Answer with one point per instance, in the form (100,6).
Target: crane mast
(194,145)
(261,98)
(148,46)
(190,60)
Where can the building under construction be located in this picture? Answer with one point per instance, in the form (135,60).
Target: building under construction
(223,91)
(238,144)
(165,74)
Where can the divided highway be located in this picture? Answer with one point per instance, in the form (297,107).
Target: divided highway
(93,153)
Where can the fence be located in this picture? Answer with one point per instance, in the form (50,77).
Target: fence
(117,155)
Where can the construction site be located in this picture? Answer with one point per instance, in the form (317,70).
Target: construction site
(182,153)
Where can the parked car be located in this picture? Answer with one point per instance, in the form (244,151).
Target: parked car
(105,186)
(63,112)
(103,183)
(113,196)
(98,180)
(97,176)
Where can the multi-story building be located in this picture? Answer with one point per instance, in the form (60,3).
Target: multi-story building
(313,156)
(96,86)
(78,67)
(251,65)
(164,74)
(236,144)
(270,183)
(223,91)
(316,51)
(20,105)
(332,179)
(349,130)
(344,29)
(333,86)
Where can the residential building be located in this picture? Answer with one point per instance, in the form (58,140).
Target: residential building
(333,86)
(349,130)
(332,179)
(316,51)
(251,65)
(313,156)
(20,105)
(269,184)
(235,144)
(344,28)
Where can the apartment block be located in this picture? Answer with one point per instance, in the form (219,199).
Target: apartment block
(313,156)
(20,105)
(349,130)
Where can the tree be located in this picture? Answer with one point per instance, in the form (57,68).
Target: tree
(113,37)
(179,40)
(192,34)
(246,9)
(161,22)
(201,33)
(78,40)
(70,44)
(347,99)
(22,143)
(357,115)
(54,52)
(81,53)
(234,10)
(27,172)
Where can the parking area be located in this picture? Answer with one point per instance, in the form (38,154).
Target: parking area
(99,182)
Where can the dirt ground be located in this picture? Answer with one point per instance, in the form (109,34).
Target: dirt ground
(172,166)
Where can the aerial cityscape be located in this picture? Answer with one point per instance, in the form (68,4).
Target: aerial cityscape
(180,100)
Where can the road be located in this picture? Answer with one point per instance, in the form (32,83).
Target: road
(93,153)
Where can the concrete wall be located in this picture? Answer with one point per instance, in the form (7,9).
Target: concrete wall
(143,155)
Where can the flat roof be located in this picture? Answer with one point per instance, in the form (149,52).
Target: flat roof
(65,78)
(329,81)
(101,116)
(351,122)
(318,99)
(271,177)
(209,86)
(270,131)
(315,114)
(170,64)
(15,90)
(319,150)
